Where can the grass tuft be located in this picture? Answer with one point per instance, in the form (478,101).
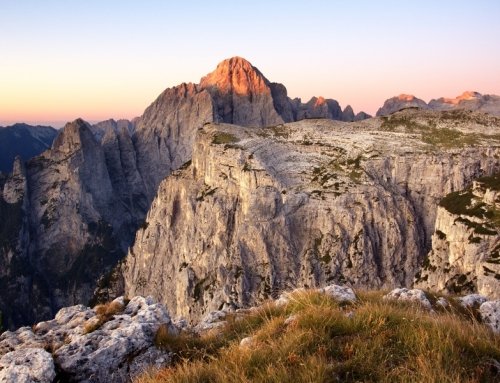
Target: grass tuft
(104,313)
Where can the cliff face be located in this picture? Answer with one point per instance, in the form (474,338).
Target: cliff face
(303,204)
(466,242)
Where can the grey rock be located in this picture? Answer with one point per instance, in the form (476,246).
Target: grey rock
(442,302)
(29,365)
(472,300)
(247,342)
(407,295)
(490,314)
(340,293)
(115,351)
(152,358)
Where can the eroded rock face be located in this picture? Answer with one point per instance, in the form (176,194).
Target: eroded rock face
(83,349)
(466,242)
(303,204)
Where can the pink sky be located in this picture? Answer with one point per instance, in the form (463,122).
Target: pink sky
(97,61)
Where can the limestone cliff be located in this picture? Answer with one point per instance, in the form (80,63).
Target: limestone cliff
(466,242)
(257,211)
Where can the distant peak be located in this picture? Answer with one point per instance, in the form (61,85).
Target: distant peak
(235,62)
(319,101)
(469,95)
(236,75)
(465,96)
(406,97)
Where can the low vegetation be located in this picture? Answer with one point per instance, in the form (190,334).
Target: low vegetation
(224,138)
(464,203)
(104,313)
(315,339)
(439,136)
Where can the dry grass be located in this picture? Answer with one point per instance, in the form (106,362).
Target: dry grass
(104,313)
(381,342)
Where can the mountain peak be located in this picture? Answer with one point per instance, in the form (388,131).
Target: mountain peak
(465,96)
(406,97)
(73,136)
(236,75)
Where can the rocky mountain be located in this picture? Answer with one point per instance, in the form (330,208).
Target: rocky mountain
(401,102)
(466,242)
(258,211)
(25,141)
(70,219)
(468,100)
(73,210)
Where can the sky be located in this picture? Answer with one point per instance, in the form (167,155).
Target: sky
(100,59)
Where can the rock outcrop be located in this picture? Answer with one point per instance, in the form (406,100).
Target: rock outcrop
(111,343)
(258,211)
(466,242)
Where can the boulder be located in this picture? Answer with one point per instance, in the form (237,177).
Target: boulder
(490,314)
(29,365)
(341,294)
(406,295)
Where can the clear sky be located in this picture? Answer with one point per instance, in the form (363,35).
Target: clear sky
(100,59)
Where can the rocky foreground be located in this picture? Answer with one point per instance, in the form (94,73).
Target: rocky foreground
(118,342)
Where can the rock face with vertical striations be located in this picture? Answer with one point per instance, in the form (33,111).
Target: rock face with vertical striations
(258,211)
(465,255)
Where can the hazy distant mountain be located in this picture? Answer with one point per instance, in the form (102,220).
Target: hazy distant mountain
(400,102)
(25,141)
(467,100)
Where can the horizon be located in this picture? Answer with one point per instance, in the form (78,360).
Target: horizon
(100,61)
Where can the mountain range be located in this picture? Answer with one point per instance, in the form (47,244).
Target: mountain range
(25,141)
(226,192)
